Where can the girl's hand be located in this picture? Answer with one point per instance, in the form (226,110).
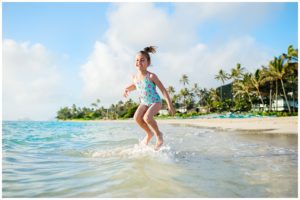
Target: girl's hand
(126,92)
(128,89)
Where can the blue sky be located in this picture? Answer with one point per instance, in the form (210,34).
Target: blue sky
(82,40)
(56,25)
(60,26)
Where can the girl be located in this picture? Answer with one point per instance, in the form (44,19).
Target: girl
(145,82)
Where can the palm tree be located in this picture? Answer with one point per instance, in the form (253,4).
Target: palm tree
(96,104)
(293,81)
(74,111)
(292,54)
(222,76)
(98,101)
(267,76)
(290,61)
(184,93)
(203,95)
(196,91)
(172,94)
(112,110)
(190,99)
(119,108)
(176,100)
(237,73)
(212,97)
(184,80)
(64,113)
(256,80)
(279,70)
(244,87)
(171,91)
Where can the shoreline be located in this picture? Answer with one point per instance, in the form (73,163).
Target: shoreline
(264,125)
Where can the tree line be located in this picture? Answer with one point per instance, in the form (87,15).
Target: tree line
(245,92)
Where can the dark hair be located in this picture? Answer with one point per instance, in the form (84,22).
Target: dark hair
(147,50)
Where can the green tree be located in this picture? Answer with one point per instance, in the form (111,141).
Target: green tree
(74,111)
(267,77)
(204,96)
(278,70)
(256,80)
(237,73)
(290,60)
(171,92)
(213,100)
(96,104)
(64,113)
(176,99)
(196,92)
(222,76)
(244,87)
(184,93)
(291,55)
(184,80)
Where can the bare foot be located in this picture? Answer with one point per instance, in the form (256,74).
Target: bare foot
(147,139)
(159,142)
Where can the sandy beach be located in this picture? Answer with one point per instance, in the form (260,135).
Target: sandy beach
(267,125)
(272,125)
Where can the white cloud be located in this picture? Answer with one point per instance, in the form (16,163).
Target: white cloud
(106,73)
(133,26)
(32,85)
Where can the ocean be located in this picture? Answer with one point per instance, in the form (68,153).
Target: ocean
(104,159)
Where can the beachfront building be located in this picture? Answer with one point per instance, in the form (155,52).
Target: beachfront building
(181,110)
(282,105)
(277,105)
(203,109)
(226,91)
(163,112)
(166,112)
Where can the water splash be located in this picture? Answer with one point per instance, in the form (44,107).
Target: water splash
(135,151)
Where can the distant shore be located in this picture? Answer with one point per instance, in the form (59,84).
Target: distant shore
(271,125)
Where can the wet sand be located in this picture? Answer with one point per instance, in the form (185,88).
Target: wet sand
(272,125)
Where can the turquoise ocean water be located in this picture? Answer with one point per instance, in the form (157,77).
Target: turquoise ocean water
(104,159)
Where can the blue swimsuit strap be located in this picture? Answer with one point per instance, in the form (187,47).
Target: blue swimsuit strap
(148,77)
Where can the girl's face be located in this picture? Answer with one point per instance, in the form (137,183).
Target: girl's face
(141,62)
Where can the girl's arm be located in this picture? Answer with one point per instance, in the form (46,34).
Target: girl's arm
(128,89)
(157,82)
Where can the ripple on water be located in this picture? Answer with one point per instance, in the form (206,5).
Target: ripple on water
(61,159)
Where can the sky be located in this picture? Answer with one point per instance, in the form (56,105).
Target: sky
(60,54)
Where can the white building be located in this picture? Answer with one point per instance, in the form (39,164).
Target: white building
(163,112)
(280,103)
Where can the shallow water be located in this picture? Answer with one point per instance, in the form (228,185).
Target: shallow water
(76,159)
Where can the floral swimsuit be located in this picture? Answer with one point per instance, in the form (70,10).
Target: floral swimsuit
(147,91)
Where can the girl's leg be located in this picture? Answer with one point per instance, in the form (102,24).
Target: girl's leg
(148,118)
(138,117)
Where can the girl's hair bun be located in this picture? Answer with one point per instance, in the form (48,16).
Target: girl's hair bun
(150,49)
(146,51)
